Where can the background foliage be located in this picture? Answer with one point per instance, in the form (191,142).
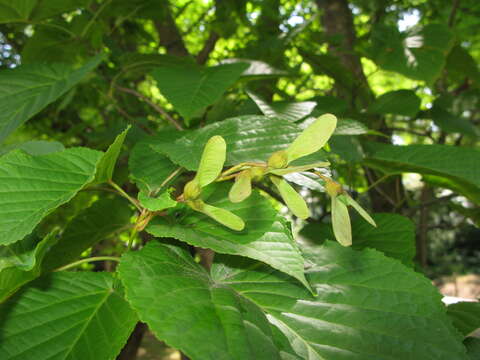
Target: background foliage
(145,83)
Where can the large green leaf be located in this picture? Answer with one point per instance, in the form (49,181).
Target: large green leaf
(457,164)
(419,53)
(290,111)
(33,186)
(248,138)
(401,102)
(22,261)
(368,307)
(191,88)
(185,308)
(394,235)
(465,316)
(34,10)
(98,222)
(149,169)
(266,237)
(27,89)
(396,314)
(106,165)
(73,315)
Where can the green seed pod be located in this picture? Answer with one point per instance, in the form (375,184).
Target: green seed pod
(313,138)
(294,169)
(192,190)
(361,211)
(257,173)
(211,163)
(278,160)
(242,187)
(332,188)
(342,228)
(294,201)
(224,217)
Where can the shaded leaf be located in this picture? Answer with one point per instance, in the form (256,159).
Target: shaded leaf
(27,89)
(161,202)
(22,261)
(457,164)
(191,88)
(30,10)
(107,163)
(465,316)
(290,111)
(149,169)
(400,102)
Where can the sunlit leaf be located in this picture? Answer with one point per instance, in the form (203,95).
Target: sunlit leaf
(293,200)
(211,163)
(341,222)
(313,138)
(161,202)
(242,187)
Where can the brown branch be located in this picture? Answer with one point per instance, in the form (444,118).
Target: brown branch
(153,105)
(453,13)
(208,47)
(170,36)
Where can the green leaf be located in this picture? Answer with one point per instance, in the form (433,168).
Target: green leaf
(341,222)
(33,186)
(191,88)
(347,147)
(395,314)
(394,236)
(462,65)
(149,169)
(212,160)
(350,127)
(241,188)
(294,201)
(400,102)
(248,138)
(266,236)
(457,164)
(161,202)
(68,315)
(473,347)
(419,53)
(257,69)
(308,180)
(103,219)
(27,89)
(22,261)
(290,111)
(185,308)
(451,123)
(313,138)
(106,166)
(36,147)
(34,10)
(465,316)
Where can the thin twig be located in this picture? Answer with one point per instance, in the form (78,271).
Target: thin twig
(87,260)
(153,105)
(125,195)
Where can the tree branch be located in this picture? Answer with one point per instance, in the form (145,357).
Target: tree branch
(170,36)
(208,47)
(153,105)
